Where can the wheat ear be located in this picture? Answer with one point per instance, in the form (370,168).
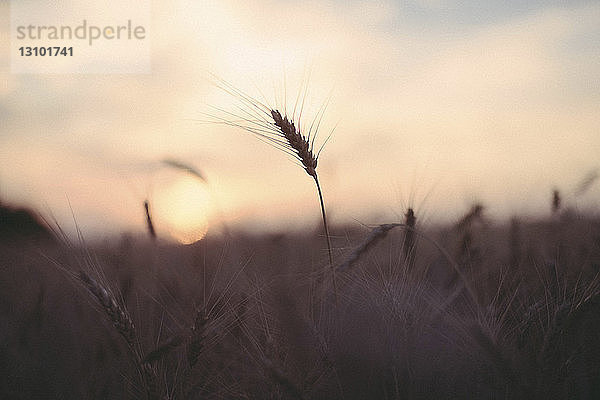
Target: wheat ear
(374,236)
(123,323)
(149,223)
(304,151)
(279,131)
(118,316)
(409,244)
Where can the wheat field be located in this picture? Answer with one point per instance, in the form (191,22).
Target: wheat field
(317,200)
(477,308)
(474,309)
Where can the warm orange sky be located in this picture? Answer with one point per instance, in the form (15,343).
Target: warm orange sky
(437,102)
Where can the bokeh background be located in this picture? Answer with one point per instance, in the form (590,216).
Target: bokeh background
(435,104)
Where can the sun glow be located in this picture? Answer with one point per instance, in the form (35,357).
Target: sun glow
(181,207)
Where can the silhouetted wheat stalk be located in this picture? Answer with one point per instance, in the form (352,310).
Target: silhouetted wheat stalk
(197,337)
(281,132)
(123,323)
(378,233)
(149,223)
(117,314)
(409,245)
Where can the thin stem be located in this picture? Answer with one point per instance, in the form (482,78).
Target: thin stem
(335,291)
(150,225)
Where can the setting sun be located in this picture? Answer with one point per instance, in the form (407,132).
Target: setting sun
(181,207)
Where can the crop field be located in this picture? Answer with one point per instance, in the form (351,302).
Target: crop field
(476,309)
(300,199)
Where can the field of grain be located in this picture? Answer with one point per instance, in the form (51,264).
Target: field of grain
(476,309)
(299,199)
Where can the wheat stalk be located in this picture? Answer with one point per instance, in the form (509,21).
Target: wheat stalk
(122,321)
(117,314)
(280,131)
(304,151)
(409,243)
(378,233)
(197,338)
(149,223)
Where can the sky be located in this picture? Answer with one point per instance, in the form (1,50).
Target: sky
(431,104)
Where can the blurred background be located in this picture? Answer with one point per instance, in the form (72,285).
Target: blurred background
(432,104)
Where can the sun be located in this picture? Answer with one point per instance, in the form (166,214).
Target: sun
(181,206)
